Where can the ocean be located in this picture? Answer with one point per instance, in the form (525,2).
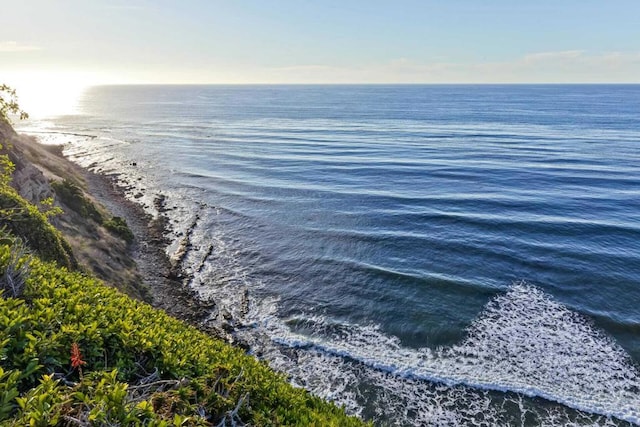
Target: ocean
(422,255)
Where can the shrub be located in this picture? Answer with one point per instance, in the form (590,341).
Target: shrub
(118,226)
(73,196)
(24,220)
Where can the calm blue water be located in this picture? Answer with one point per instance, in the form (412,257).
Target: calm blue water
(360,235)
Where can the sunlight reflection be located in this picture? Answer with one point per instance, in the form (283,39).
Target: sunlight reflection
(48,95)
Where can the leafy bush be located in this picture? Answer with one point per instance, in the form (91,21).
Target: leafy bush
(118,226)
(72,195)
(25,221)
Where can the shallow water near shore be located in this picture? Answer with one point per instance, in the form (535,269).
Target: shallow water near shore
(421,254)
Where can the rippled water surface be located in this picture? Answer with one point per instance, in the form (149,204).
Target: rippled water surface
(366,239)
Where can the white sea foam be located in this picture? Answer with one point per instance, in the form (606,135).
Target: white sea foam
(523,342)
(526,342)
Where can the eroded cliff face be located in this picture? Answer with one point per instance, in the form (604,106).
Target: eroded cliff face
(97,251)
(29,178)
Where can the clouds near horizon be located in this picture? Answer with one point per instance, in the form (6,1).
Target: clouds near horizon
(572,66)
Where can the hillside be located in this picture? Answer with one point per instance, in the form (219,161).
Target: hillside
(41,173)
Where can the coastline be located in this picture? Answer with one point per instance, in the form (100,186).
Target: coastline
(152,276)
(160,277)
(163,277)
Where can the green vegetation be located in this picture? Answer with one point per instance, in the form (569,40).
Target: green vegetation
(118,226)
(76,352)
(140,365)
(72,195)
(24,220)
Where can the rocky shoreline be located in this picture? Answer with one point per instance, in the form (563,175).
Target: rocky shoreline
(162,278)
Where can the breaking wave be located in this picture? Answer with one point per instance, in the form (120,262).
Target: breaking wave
(523,343)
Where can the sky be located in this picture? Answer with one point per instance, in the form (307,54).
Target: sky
(63,43)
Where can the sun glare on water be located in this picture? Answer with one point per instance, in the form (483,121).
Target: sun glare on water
(49,95)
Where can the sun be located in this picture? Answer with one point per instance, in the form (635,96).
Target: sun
(44,95)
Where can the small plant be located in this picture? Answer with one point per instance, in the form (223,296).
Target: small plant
(76,358)
(48,209)
(118,226)
(6,168)
(8,391)
(40,406)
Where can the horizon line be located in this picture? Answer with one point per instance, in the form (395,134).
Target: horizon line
(376,84)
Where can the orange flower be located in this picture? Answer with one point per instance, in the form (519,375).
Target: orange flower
(76,357)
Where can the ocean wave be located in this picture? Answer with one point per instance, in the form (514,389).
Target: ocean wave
(524,342)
